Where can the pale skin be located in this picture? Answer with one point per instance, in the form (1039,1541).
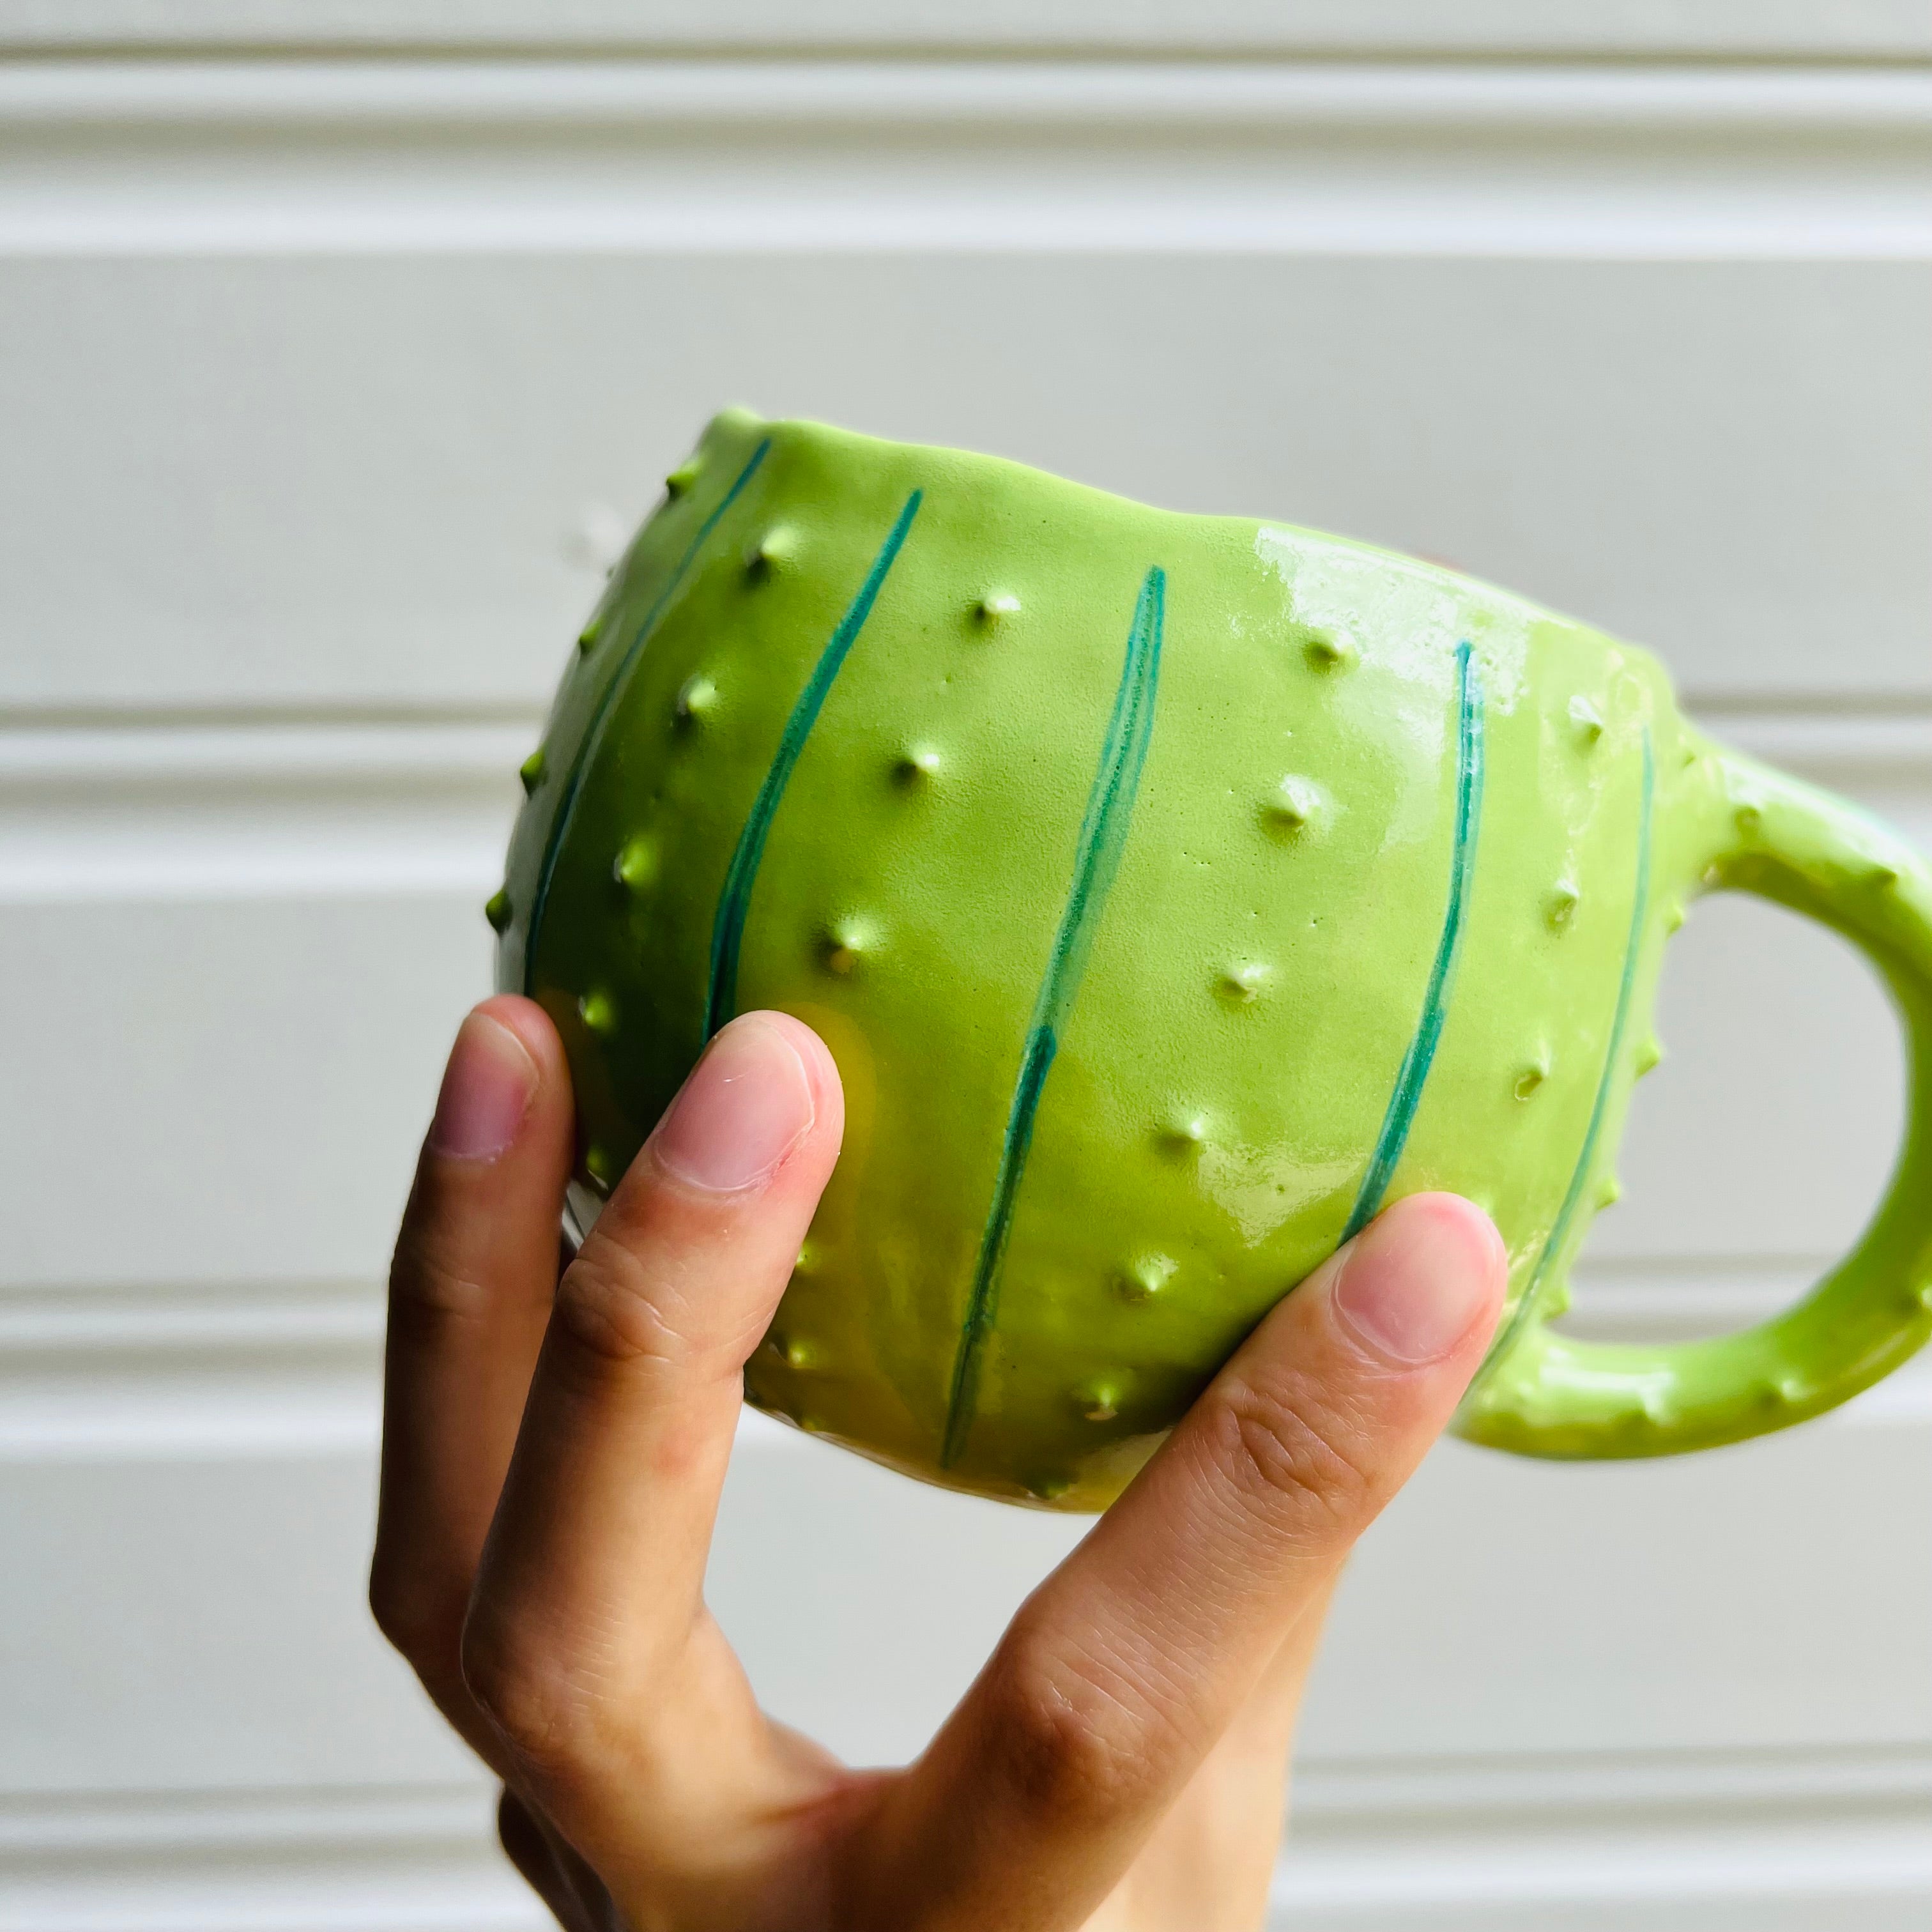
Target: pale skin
(552,1453)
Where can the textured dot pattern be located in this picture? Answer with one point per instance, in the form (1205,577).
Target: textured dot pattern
(1207,1105)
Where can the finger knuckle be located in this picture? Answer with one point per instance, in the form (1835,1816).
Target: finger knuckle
(1080,1742)
(1285,1448)
(412,1620)
(430,1294)
(422,1623)
(530,1692)
(612,1310)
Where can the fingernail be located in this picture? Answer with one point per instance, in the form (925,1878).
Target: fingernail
(1418,1280)
(486,1092)
(747,1104)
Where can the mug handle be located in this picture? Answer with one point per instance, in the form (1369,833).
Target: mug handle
(1545,1394)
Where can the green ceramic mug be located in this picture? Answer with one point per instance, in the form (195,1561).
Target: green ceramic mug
(1173,892)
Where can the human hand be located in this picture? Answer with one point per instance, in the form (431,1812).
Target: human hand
(552,1454)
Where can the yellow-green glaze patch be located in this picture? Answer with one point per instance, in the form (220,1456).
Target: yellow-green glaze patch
(1401,853)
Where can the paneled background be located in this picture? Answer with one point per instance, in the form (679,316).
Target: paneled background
(342,343)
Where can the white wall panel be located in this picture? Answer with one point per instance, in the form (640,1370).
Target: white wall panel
(1628,161)
(197,1072)
(340,483)
(330,386)
(242,1657)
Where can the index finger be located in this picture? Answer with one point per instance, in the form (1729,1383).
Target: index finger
(592,1580)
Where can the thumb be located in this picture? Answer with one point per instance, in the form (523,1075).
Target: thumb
(1125,1666)
(1252,1505)
(1329,1407)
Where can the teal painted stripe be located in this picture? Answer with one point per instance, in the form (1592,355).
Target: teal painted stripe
(1407,1096)
(983,1306)
(734,902)
(1103,837)
(1579,1177)
(607,703)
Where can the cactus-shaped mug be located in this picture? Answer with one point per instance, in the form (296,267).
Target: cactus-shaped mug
(1173,892)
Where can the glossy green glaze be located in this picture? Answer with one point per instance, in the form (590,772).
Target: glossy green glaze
(1172,892)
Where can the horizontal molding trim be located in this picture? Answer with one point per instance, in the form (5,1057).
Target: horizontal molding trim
(369,1859)
(257,810)
(441,156)
(1627,1299)
(1793,1877)
(162,1323)
(158,1371)
(1335,1794)
(1513,1842)
(1838,29)
(151,1371)
(145,813)
(116,97)
(1843,1826)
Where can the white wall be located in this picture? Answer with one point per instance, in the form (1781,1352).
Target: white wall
(326,383)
